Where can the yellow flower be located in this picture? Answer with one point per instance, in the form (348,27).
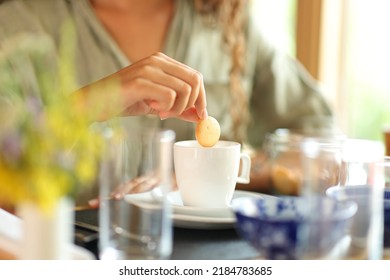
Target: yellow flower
(47,150)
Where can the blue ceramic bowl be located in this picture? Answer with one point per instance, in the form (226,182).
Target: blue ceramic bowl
(289,227)
(362,190)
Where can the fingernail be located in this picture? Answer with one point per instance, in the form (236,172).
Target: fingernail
(164,116)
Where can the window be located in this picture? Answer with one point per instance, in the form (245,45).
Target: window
(366,64)
(276,19)
(354,62)
(345,45)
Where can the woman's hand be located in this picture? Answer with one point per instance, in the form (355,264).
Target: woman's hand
(137,185)
(156,85)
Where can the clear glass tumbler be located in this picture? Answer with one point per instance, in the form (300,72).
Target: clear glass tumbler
(135,177)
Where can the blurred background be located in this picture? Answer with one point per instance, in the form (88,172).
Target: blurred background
(345,45)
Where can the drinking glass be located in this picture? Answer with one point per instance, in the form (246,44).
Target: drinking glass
(135,177)
(362,181)
(386,206)
(321,163)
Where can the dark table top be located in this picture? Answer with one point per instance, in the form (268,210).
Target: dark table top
(222,244)
(189,244)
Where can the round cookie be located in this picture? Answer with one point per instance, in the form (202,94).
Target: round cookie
(208,132)
(285,180)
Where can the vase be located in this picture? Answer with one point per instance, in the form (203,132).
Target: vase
(47,235)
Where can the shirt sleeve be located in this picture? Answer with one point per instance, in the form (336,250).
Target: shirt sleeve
(283,95)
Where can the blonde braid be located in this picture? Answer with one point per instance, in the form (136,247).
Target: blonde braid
(230,14)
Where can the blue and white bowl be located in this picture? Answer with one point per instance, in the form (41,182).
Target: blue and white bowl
(290,227)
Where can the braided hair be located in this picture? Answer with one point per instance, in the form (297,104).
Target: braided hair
(229,15)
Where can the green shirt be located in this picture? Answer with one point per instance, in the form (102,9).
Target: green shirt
(280,92)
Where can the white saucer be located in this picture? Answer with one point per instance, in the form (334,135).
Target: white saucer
(199,222)
(196,217)
(178,208)
(206,218)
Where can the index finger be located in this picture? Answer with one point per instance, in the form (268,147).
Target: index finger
(191,77)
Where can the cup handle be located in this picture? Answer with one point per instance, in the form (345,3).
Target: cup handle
(244,177)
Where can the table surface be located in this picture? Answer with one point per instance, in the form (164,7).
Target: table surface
(210,244)
(221,244)
(195,244)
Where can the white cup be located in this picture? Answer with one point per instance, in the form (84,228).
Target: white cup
(207,177)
